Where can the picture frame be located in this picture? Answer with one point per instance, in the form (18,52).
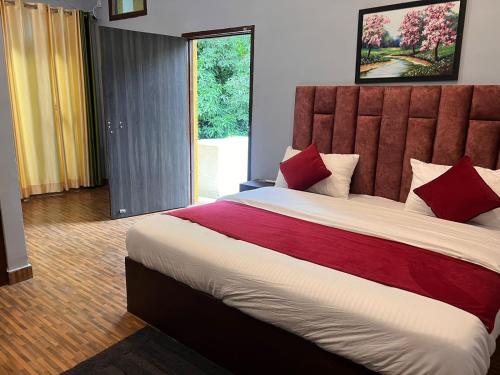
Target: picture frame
(123,9)
(417,41)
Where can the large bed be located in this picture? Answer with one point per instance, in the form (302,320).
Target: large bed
(255,310)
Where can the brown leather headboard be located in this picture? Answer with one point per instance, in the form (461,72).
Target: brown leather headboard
(387,126)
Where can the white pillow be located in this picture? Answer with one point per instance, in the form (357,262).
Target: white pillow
(338,184)
(426,172)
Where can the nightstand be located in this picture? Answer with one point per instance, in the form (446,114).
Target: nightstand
(255,184)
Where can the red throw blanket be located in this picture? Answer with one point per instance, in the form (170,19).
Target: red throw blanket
(459,283)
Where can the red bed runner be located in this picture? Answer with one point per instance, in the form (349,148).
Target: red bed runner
(462,284)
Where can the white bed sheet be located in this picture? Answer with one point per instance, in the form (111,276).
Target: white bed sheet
(388,330)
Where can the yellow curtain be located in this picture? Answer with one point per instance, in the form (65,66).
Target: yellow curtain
(45,69)
(69,83)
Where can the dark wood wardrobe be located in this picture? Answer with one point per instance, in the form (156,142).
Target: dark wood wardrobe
(145,97)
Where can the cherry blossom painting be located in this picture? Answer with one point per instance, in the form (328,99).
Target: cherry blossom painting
(415,41)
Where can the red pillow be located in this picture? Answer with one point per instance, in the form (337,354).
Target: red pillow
(304,169)
(459,194)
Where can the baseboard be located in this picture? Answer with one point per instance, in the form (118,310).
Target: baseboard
(20,274)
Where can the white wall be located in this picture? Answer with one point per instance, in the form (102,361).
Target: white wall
(9,181)
(304,42)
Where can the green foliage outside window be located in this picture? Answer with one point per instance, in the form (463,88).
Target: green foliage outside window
(223,86)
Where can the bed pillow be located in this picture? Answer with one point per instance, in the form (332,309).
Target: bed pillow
(459,194)
(338,184)
(426,172)
(305,169)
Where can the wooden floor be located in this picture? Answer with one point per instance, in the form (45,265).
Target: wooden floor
(75,306)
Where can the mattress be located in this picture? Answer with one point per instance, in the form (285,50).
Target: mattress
(386,329)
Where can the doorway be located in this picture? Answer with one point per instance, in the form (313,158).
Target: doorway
(220,107)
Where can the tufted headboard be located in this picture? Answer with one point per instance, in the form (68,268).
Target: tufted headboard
(387,126)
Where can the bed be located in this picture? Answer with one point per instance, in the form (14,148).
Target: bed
(254,310)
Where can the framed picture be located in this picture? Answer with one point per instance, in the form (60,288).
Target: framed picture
(409,42)
(121,9)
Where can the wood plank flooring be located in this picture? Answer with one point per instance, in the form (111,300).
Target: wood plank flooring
(75,306)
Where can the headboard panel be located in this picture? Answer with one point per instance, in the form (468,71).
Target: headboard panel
(387,126)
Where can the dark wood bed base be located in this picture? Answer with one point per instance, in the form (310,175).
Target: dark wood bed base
(225,335)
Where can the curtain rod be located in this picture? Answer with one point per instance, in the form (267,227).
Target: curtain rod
(27,5)
(56,10)
(35,6)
